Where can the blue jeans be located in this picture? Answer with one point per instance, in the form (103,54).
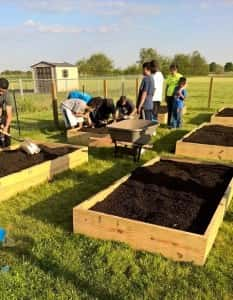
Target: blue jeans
(177,114)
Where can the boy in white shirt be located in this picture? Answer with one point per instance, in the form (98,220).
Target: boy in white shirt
(158,83)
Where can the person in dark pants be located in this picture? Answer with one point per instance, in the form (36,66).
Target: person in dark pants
(5,112)
(146,93)
(171,81)
(158,83)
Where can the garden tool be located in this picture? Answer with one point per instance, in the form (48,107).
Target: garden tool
(25,144)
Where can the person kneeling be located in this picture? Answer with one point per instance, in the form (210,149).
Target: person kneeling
(125,109)
(75,112)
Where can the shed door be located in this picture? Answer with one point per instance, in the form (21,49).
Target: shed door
(43,76)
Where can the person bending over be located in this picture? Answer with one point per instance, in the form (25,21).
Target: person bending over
(5,112)
(102,111)
(125,109)
(146,93)
(180,95)
(75,112)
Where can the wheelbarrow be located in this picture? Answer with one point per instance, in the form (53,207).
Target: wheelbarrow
(133,135)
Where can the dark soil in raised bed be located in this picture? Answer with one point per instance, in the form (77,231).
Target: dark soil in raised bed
(226,112)
(16,160)
(212,135)
(173,194)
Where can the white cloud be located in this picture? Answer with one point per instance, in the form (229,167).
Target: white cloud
(57,28)
(102,7)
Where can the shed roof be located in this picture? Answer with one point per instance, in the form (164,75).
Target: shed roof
(52,64)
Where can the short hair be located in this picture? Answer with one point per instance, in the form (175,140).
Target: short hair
(154,64)
(147,66)
(122,98)
(173,66)
(182,80)
(4,83)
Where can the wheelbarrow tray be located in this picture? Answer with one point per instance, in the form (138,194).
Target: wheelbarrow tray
(132,131)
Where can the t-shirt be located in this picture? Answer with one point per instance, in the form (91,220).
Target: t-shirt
(172,81)
(6,99)
(79,95)
(126,109)
(147,85)
(76,106)
(158,82)
(179,101)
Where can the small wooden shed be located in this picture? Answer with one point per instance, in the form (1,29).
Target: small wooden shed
(65,75)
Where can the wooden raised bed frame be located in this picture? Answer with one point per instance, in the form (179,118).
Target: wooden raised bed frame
(163,117)
(175,244)
(20,181)
(204,151)
(82,138)
(221,119)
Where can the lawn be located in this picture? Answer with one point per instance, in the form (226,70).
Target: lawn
(49,262)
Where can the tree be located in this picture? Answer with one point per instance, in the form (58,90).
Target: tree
(228,67)
(199,65)
(148,54)
(219,69)
(133,70)
(96,64)
(212,67)
(184,63)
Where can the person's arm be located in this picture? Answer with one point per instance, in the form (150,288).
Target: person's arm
(9,116)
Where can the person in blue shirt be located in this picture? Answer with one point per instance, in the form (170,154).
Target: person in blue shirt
(75,94)
(180,95)
(146,93)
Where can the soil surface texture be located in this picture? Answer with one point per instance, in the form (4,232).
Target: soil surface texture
(226,112)
(16,160)
(212,135)
(179,195)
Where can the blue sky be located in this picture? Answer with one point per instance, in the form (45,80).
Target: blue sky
(68,30)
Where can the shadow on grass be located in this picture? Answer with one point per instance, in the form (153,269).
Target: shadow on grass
(200,118)
(229,216)
(49,265)
(167,143)
(45,127)
(57,209)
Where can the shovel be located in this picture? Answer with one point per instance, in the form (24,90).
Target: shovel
(25,144)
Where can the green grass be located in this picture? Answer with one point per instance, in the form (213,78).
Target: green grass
(50,262)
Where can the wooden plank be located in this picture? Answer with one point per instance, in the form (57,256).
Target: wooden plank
(84,138)
(215,119)
(22,180)
(176,244)
(213,228)
(196,150)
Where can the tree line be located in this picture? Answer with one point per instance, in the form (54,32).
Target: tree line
(193,64)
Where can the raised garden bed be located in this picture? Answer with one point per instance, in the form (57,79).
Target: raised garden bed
(20,171)
(171,206)
(224,116)
(95,137)
(210,141)
(163,115)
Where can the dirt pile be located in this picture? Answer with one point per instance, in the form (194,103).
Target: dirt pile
(172,194)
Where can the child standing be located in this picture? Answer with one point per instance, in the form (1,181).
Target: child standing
(180,95)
